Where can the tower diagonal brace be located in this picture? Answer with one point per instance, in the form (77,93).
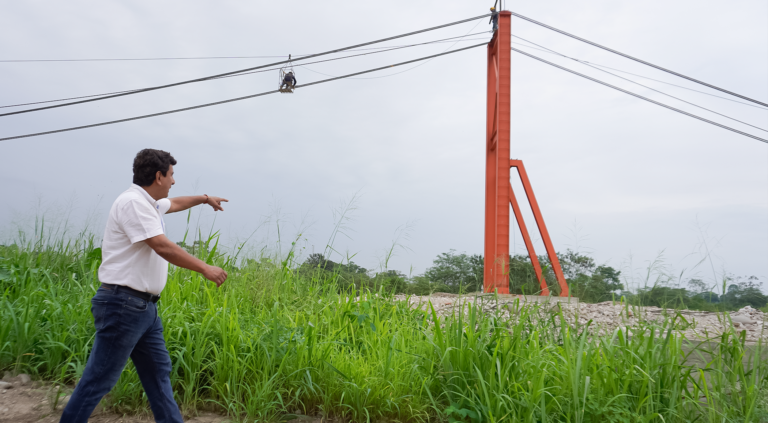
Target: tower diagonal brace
(528,244)
(553,260)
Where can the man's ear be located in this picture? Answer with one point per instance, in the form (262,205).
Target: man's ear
(158,175)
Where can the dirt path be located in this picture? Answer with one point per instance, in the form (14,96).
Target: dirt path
(30,403)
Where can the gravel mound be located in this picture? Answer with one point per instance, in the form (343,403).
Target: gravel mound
(604,317)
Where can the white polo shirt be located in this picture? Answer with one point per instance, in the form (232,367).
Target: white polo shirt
(126,259)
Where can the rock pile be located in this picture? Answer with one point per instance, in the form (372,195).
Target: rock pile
(604,317)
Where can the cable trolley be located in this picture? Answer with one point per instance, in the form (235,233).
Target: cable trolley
(287,81)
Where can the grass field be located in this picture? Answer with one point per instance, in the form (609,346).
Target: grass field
(272,342)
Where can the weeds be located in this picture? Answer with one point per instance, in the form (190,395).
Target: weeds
(272,342)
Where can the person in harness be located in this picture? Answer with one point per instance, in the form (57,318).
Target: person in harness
(289,81)
(494,19)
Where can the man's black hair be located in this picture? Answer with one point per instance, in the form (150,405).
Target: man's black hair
(148,162)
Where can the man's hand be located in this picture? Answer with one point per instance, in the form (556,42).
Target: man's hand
(215,274)
(215,202)
(176,255)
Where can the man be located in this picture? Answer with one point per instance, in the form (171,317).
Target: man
(133,272)
(494,19)
(289,81)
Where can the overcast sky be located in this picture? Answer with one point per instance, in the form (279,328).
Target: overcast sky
(621,179)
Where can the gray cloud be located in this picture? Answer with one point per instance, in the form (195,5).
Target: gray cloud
(634,178)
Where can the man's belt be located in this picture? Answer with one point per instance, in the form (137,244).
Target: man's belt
(146,296)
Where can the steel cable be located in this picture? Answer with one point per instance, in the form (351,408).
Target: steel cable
(247,69)
(642,85)
(544,50)
(380,50)
(641,97)
(238,98)
(146,59)
(637,60)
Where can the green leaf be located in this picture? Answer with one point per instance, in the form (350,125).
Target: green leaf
(337,371)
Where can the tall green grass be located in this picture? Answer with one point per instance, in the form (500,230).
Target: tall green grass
(273,342)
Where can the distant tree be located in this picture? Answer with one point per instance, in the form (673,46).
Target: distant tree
(696,286)
(575,264)
(522,276)
(708,297)
(741,292)
(421,285)
(391,281)
(318,261)
(346,275)
(662,296)
(700,292)
(611,277)
(746,291)
(351,267)
(456,272)
(477,264)
(588,281)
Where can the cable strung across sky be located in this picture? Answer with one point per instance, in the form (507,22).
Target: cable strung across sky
(380,50)
(240,98)
(644,86)
(336,58)
(636,59)
(375,70)
(270,67)
(150,59)
(639,96)
(548,51)
(207,78)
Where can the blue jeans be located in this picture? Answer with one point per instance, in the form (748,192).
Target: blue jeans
(126,326)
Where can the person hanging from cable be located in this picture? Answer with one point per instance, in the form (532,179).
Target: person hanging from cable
(494,19)
(289,81)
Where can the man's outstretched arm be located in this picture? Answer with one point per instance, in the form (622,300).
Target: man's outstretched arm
(182,203)
(176,255)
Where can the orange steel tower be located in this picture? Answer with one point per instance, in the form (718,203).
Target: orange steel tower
(495,275)
(498,189)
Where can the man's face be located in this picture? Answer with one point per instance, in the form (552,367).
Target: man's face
(165,182)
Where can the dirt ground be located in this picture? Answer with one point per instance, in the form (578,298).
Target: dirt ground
(30,403)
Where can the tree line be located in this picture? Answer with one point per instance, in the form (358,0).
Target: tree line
(461,273)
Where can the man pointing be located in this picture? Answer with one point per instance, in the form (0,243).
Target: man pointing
(134,269)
